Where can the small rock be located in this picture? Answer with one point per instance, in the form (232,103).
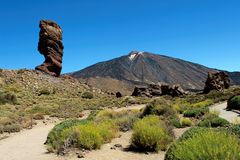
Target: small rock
(80,155)
(118,145)
(113,148)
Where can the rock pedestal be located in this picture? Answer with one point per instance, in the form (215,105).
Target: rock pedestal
(51,47)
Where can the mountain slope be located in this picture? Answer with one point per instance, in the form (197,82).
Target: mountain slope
(143,67)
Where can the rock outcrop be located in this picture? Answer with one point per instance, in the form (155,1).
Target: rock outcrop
(51,47)
(153,90)
(217,81)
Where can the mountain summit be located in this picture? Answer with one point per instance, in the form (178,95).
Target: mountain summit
(144,68)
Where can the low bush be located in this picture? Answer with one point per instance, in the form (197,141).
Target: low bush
(204,103)
(55,138)
(87,95)
(38,116)
(123,119)
(186,122)
(196,112)
(10,128)
(8,98)
(150,134)
(159,108)
(44,91)
(86,136)
(81,134)
(175,121)
(212,120)
(206,144)
(1,129)
(234,103)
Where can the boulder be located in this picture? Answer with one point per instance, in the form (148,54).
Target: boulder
(51,47)
(154,90)
(217,81)
(118,94)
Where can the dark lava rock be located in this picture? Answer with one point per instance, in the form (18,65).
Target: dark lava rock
(154,90)
(51,47)
(217,81)
(118,94)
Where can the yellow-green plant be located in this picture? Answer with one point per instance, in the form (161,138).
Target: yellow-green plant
(150,134)
(207,145)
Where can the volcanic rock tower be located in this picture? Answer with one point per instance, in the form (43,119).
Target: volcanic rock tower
(51,47)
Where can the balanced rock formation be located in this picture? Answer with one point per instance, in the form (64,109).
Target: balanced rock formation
(217,81)
(153,90)
(51,47)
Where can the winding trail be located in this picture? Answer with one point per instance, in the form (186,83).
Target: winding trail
(231,116)
(29,144)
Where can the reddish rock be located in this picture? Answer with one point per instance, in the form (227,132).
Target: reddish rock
(51,47)
(217,81)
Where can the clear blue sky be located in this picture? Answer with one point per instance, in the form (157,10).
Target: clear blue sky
(202,31)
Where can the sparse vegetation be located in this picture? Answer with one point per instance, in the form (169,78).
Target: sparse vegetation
(195,112)
(123,119)
(186,122)
(87,95)
(212,120)
(234,103)
(159,107)
(81,134)
(150,134)
(6,97)
(202,143)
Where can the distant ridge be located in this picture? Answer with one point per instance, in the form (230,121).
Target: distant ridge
(143,67)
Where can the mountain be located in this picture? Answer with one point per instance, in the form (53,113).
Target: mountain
(138,68)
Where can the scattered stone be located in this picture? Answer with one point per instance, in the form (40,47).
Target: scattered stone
(118,94)
(118,145)
(217,81)
(80,155)
(113,148)
(51,47)
(153,90)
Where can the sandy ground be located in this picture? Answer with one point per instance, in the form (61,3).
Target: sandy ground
(28,144)
(231,116)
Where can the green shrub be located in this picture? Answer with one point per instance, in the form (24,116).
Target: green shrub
(8,98)
(44,91)
(212,120)
(234,103)
(186,122)
(10,128)
(204,103)
(123,119)
(175,122)
(205,144)
(81,134)
(87,137)
(150,134)
(38,116)
(196,112)
(1,129)
(160,108)
(108,130)
(55,139)
(87,95)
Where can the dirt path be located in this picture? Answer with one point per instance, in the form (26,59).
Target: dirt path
(231,116)
(28,144)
